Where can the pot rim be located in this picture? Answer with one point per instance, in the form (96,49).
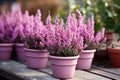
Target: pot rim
(34,50)
(113,51)
(6,44)
(19,44)
(93,50)
(59,57)
(117,48)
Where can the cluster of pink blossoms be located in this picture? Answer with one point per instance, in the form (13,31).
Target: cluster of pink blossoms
(64,41)
(91,39)
(22,28)
(33,31)
(59,38)
(76,36)
(8,23)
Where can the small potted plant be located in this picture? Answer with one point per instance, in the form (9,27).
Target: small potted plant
(91,39)
(7,28)
(35,49)
(21,21)
(19,47)
(64,46)
(114,53)
(114,49)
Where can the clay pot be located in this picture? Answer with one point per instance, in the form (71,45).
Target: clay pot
(63,67)
(114,54)
(5,51)
(36,59)
(85,59)
(19,47)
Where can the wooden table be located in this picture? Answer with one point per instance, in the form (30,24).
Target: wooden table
(14,70)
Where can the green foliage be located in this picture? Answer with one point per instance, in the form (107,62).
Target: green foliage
(117,29)
(106,13)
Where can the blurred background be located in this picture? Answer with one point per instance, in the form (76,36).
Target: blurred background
(106,13)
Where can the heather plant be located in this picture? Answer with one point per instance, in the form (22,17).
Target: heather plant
(7,27)
(18,32)
(11,26)
(63,42)
(34,32)
(91,38)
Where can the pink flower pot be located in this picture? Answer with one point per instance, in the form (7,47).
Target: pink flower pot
(5,51)
(36,59)
(85,59)
(20,51)
(63,67)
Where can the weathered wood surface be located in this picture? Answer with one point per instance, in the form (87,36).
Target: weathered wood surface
(12,69)
(104,73)
(115,71)
(17,71)
(79,75)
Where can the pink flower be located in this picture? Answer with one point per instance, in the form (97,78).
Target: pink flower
(35,31)
(86,30)
(63,41)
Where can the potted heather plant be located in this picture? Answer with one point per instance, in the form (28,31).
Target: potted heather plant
(7,28)
(19,42)
(91,39)
(64,46)
(35,48)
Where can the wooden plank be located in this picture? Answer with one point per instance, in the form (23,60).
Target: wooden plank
(82,75)
(79,75)
(115,71)
(104,73)
(16,71)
